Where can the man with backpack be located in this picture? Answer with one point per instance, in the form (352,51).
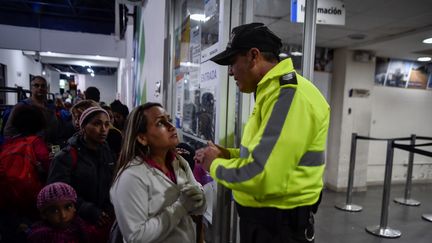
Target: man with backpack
(39,91)
(24,163)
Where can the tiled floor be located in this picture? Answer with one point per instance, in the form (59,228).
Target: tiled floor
(335,226)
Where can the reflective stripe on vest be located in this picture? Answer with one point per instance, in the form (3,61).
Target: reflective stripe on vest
(310,158)
(269,138)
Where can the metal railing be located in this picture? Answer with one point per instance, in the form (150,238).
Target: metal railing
(383,230)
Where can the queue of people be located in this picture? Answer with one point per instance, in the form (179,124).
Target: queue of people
(146,190)
(75,205)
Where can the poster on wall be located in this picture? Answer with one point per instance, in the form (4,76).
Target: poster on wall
(179,104)
(210,29)
(195,44)
(402,73)
(418,77)
(187,100)
(207,100)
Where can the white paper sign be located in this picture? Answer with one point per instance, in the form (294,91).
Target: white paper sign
(330,12)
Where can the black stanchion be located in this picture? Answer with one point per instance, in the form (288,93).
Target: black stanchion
(407,200)
(382,230)
(412,148)
(348,206)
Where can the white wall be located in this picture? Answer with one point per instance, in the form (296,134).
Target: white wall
(152,66)
(386,113)
(107,85)
(322,80)
(19,67)
(348,115)
(399,112)
(125,71)
(18,70)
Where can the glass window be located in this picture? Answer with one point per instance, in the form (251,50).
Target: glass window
(196,33)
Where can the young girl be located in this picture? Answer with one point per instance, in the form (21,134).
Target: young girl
(56,204)
(154,193)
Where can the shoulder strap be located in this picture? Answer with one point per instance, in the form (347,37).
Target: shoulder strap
(31,138)
(25,101)
(74,156)
(289,78)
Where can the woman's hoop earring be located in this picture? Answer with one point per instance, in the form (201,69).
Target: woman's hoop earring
(147,150)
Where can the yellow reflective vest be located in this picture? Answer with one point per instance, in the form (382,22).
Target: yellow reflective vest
(281,159)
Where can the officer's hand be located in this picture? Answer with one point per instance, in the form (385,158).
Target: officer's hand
(205,156)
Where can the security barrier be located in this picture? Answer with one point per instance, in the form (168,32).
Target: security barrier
(412,148)
(407,200)
(382,229)
(348,206)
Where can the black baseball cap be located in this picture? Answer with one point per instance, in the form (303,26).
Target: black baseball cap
(245,37)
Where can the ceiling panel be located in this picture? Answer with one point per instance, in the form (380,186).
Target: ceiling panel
(360,6)
(392,27)
(272,8)
(400,9)
(361,22)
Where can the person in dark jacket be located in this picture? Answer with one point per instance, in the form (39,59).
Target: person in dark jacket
(114,135)
(120,113)
(91,174)
(18,210)
(92,93)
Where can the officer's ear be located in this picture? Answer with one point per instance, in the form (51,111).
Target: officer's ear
(253,56)
(254,53)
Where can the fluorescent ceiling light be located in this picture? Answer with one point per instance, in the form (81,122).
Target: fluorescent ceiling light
(296,53)
(29,53)
(189,64)
(283,55)
(424,59)
(199,17)
(85,57)
(427,41)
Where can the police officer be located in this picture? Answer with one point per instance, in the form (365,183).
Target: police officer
(276,175)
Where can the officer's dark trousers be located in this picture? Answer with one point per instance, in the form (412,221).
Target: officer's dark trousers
(272,225)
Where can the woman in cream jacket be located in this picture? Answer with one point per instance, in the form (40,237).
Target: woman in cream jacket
(154,193)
